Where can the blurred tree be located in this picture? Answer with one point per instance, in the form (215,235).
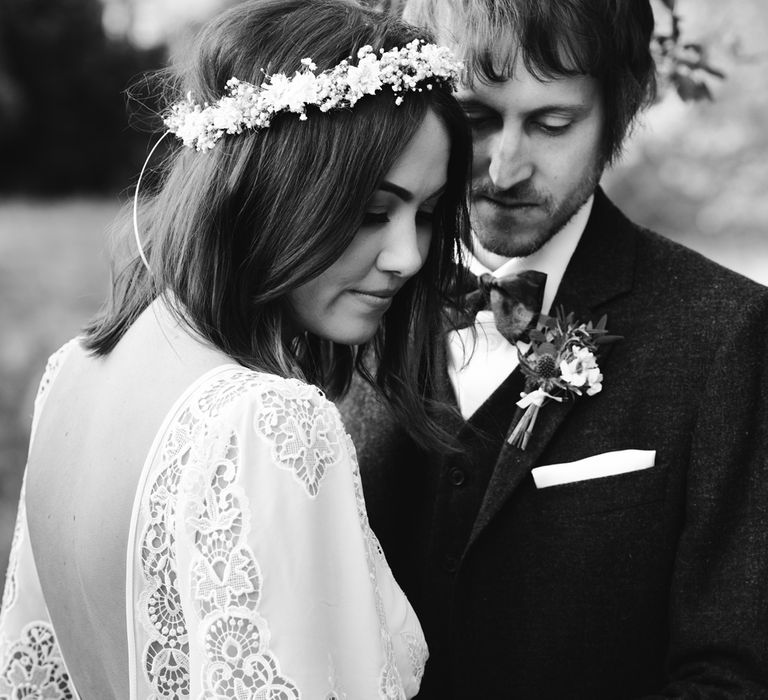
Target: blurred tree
(63,80)
(682,65)
(698,171)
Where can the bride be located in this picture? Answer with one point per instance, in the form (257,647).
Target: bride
(191,521)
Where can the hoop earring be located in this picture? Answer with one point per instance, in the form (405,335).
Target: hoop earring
(136,205)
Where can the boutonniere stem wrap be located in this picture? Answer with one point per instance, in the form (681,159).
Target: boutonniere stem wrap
(559,362)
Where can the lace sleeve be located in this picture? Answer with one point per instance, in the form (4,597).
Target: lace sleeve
(284,590)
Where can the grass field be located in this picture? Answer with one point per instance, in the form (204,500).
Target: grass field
(53,277)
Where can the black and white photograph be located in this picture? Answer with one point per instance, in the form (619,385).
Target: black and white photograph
(384,349)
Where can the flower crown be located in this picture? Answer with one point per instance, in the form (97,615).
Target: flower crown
(247,106)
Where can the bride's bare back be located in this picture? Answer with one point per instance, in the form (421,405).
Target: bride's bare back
(91,443)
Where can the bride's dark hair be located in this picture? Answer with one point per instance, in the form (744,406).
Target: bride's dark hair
(231,231)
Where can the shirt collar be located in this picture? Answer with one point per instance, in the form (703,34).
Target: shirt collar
(552,258)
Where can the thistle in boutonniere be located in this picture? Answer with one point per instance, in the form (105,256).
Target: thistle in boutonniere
(559,363)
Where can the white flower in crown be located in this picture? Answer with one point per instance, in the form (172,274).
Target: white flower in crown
(434,57)
(246,106)
(364,78)
(275,91)
(188,121)
(301,92)
(228,115)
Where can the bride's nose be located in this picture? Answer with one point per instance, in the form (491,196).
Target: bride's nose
(404,247)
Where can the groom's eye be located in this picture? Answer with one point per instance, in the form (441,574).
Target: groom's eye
(553,128)
(554,122)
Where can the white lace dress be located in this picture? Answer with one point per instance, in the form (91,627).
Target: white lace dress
(251,572)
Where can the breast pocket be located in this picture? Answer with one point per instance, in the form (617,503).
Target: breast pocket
(601,483)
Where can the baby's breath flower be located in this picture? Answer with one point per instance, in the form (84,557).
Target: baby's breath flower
(301,92)
(247,106)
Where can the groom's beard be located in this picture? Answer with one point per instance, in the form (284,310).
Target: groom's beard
(519,221)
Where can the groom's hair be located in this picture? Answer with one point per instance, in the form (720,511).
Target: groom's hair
(607,39)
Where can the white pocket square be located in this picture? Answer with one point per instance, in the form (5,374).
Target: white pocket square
(606,464)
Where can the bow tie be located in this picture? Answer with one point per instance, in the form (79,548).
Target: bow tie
(514,299)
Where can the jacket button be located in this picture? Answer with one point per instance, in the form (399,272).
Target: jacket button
(456,476)
(451,564)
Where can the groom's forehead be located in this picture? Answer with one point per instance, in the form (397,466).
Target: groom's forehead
(526,94)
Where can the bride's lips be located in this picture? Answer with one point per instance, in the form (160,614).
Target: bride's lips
(378,299)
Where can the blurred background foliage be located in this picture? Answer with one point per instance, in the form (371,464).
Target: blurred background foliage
(695,169)
(62,113)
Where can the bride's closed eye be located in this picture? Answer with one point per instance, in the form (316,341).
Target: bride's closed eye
(375,218)
(382,203)
(378,218)
(379,209)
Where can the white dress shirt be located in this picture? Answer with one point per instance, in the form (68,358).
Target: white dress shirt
(476,368)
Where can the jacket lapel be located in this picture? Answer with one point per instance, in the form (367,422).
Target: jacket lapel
(600,269)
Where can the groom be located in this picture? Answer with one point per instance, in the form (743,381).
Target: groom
(639,568)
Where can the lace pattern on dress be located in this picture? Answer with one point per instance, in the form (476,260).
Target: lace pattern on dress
(197,472)
(417,652)
(33,668)
(303,431)
(390,682)
(226,579)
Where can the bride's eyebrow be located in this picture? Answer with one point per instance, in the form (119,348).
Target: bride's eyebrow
(401,192)
(407,195)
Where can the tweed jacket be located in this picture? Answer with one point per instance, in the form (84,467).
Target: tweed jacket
(649,583)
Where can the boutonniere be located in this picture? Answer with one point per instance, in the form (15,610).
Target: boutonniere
(559,362)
